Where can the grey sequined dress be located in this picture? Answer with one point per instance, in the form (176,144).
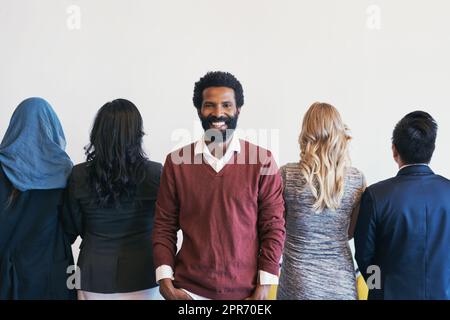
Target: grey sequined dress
(317,260)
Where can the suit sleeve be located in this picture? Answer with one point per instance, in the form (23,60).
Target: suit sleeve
(271,223)
(71,212)
(166,222)
(365,233)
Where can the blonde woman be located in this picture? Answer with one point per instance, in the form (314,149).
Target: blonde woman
(322,193)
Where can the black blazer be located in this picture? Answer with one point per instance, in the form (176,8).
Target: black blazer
(404,228)
(34,252)
(116,253)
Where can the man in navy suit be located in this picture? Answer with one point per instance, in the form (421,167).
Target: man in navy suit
(402,236)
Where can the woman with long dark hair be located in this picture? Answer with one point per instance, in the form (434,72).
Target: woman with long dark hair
(110,203)
(34,252)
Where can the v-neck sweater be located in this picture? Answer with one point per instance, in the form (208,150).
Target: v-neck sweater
(232,221)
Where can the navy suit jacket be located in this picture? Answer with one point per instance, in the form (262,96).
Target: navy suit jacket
(404,228)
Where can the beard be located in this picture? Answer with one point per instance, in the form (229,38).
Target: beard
(219,135)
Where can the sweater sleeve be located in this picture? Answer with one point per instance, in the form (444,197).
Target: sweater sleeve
(271,223)
(166,222)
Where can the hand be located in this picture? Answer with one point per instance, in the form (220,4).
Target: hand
(169,292)
(261,293)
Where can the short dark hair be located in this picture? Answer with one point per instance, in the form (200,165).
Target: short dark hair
(218,79)
(414,137)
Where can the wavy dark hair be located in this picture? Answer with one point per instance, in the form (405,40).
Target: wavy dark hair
(116,160)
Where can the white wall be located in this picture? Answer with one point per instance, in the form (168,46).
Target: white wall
(374,60)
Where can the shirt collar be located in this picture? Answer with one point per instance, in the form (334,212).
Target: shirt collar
(202,148)
(414,164)
(415,169)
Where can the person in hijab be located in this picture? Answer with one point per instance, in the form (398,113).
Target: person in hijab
(34,251)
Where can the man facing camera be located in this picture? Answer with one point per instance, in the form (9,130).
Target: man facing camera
(225,194)
(403,229)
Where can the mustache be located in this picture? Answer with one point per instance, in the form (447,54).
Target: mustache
(226,119)
(230,121)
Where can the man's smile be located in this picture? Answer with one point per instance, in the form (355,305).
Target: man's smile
(220,125)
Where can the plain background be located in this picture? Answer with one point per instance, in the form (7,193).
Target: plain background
(374,60)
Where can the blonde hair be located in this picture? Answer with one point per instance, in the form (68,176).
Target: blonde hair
(324,155)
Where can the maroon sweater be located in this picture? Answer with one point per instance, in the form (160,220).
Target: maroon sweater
(232,221)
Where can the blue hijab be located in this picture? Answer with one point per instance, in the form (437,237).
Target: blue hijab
(32,151)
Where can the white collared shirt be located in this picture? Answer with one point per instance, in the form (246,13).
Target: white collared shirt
(165,271)
(217,163)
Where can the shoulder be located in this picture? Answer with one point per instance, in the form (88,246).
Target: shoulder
(291,166)
(259,158)
(442,180)
(254,152)
(79,176)
(148,187)
(352,171)
(153,166)
(356,175)
(439,185)
(80,170)
(290,171)
(153,169)
(383,187)
(80,167)
(247,145)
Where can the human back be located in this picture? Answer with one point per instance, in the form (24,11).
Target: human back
(110,203)
(321,192)
(34,251)
(403,228)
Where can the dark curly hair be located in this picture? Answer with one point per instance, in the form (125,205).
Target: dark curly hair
(116,160)
(414,137)
(218,79)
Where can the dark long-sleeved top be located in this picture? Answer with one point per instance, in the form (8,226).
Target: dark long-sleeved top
(34,252)
(232,221)
(116,251)
(403,229)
